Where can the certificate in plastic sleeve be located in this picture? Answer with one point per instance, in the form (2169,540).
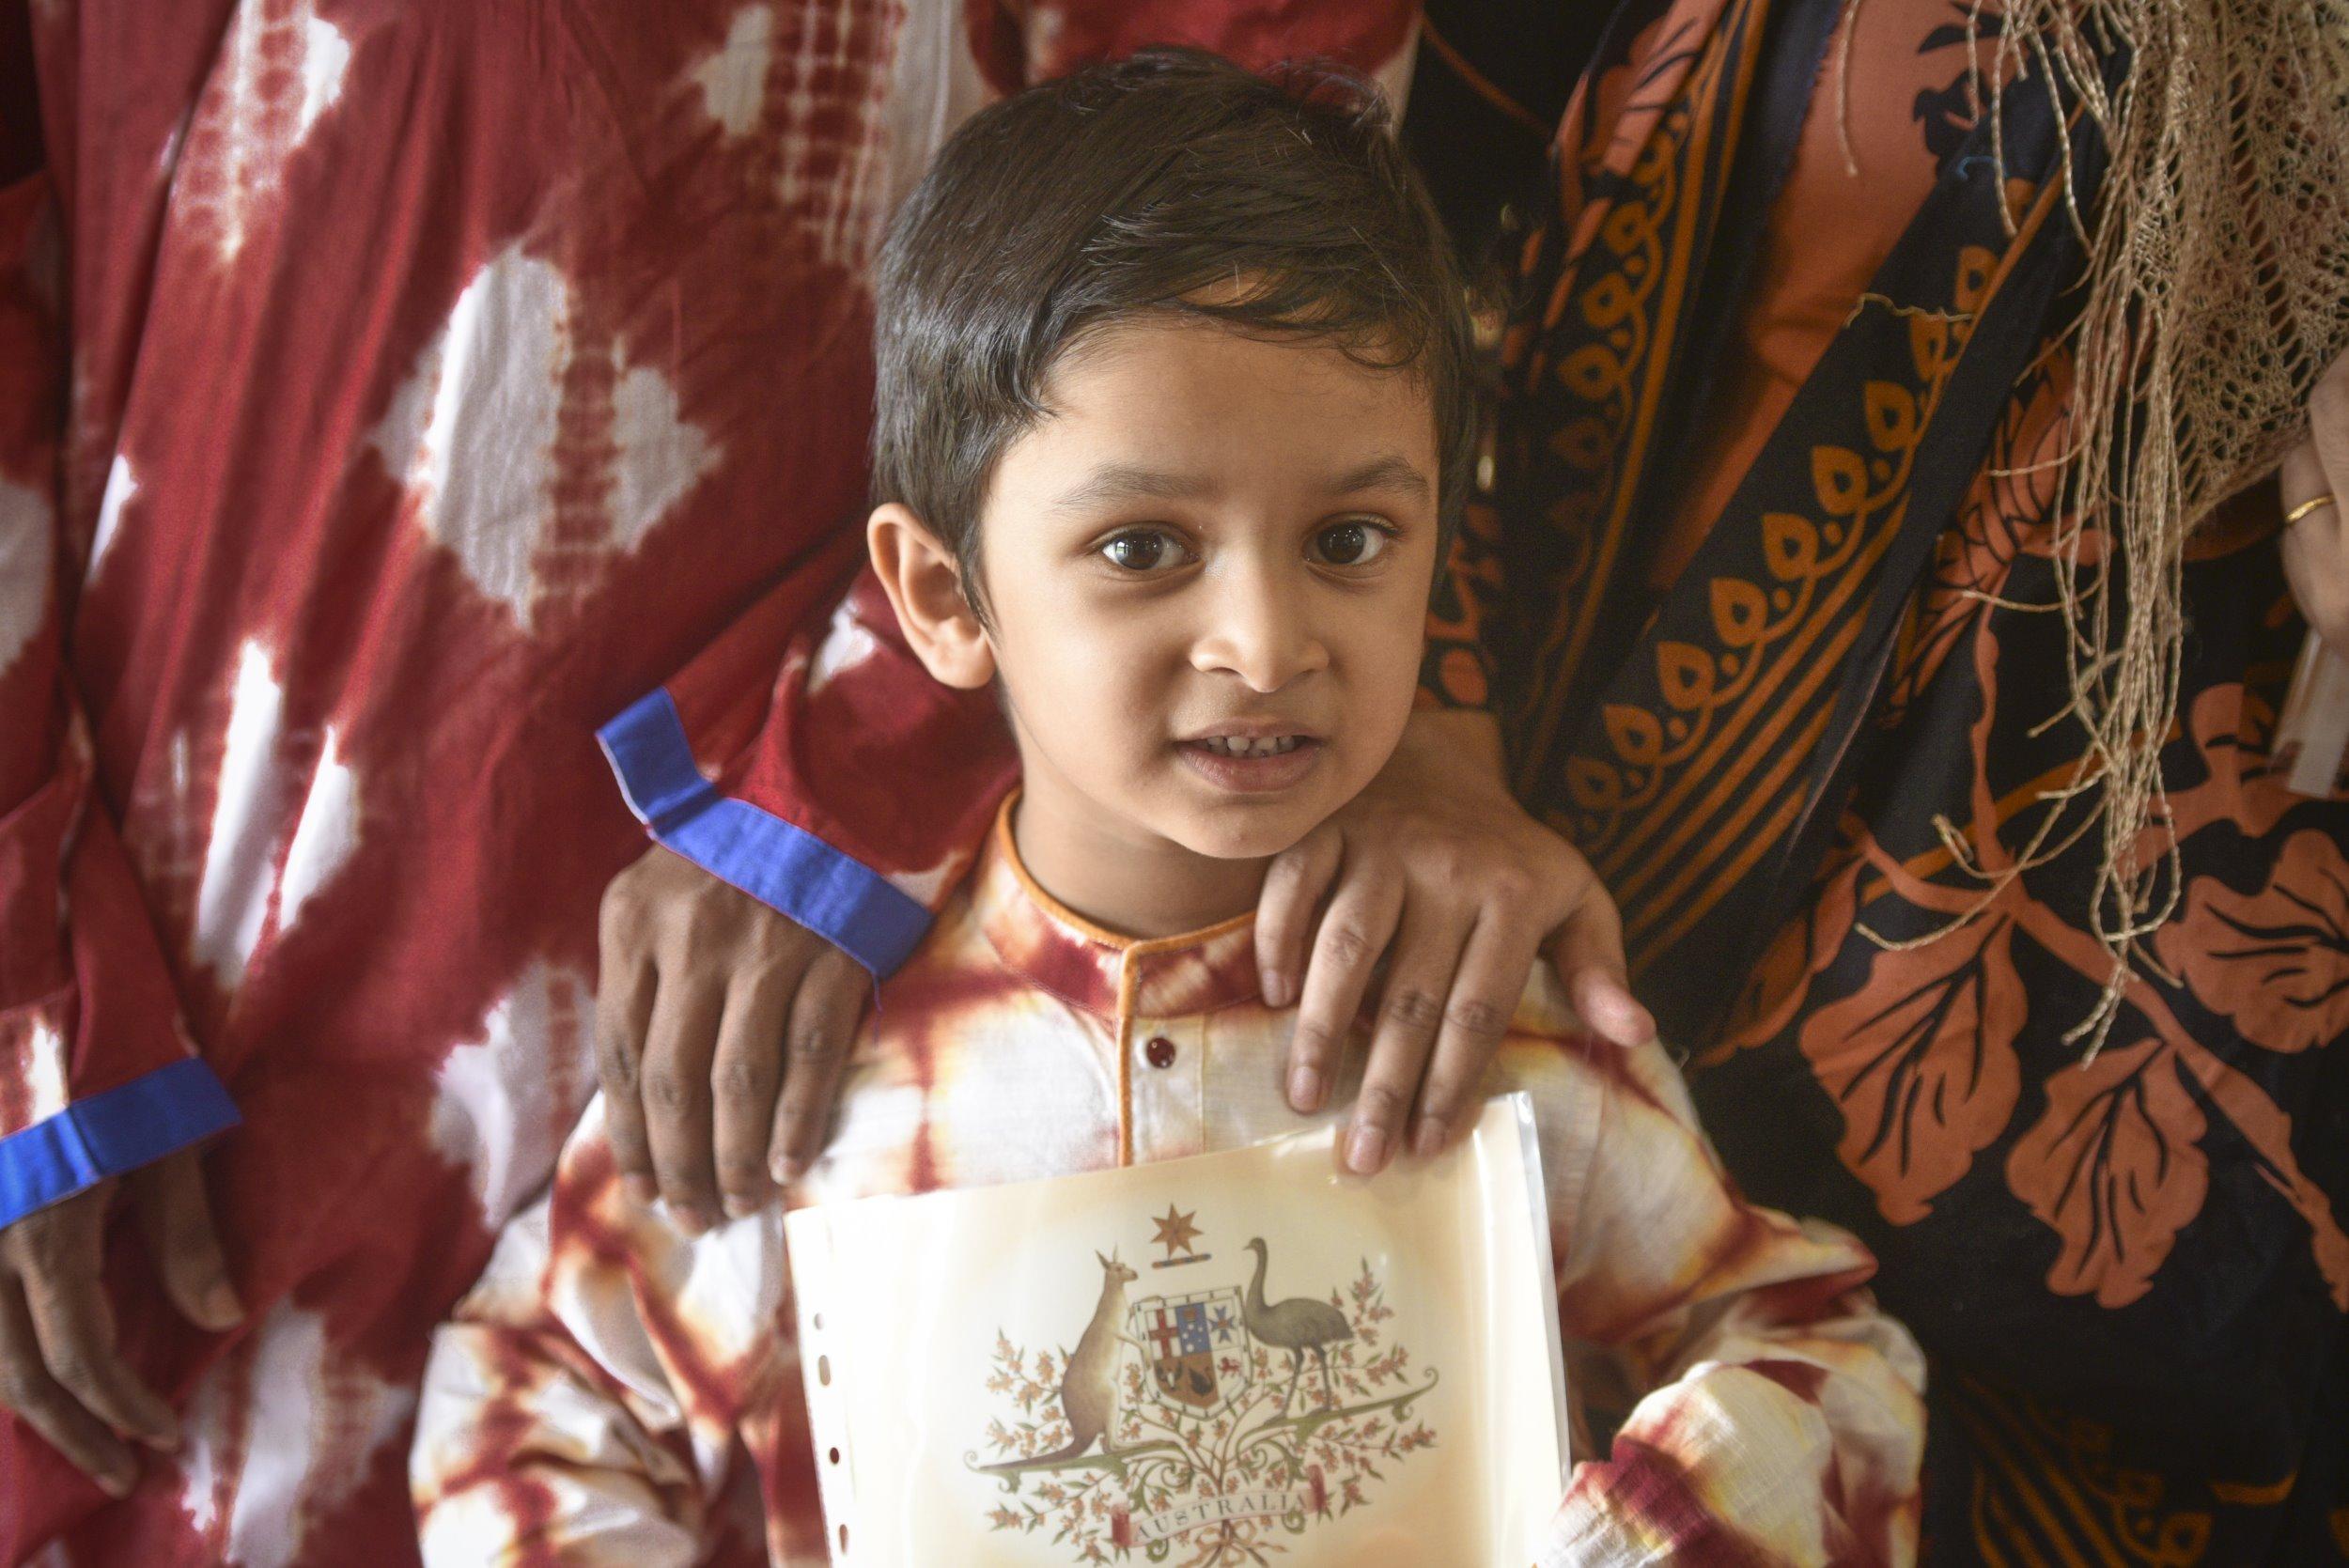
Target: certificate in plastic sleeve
(1242,1357)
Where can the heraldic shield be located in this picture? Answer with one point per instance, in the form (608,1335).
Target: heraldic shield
(1195,1345)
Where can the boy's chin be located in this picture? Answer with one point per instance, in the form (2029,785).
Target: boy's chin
(1244,833)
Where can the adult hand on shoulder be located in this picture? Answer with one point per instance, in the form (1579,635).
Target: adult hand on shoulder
(722,1027)
(60,1367)
(2316,548)
(1437,870)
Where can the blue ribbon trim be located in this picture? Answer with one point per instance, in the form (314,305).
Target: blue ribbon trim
(129,1126)
(784,866)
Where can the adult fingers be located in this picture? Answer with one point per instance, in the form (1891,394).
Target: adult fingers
(176,1213)
(2329,421)
(1355,930)
(1294,884)
(2314,547)
(823,1026)
(75,1328)
(624,1006)
(1588,952)
(743,1078)
(1410,1007)
(1500,956)
(678,1055)
(26,1387)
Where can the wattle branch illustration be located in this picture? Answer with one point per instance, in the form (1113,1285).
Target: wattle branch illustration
(1235,1424)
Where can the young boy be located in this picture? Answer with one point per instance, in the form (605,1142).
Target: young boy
(1174,403)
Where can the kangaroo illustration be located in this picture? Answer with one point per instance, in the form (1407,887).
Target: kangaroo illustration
(1088,1384)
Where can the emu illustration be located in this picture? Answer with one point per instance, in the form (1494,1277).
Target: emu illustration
(1296,1325)
(1088,1384)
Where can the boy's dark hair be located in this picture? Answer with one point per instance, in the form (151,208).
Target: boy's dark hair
(1137,188)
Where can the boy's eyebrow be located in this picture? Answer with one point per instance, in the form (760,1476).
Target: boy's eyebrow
(1389,473)
(1116,482)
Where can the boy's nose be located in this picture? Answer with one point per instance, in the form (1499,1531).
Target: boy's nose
(1259,631)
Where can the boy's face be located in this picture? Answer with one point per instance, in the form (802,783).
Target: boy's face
(1207,577)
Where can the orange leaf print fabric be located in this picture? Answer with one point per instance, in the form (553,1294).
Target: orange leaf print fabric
(2276,962)
(2115,1169)
(1921,1062)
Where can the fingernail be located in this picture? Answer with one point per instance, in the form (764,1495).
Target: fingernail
(1276,989)
(692,1218)
(165,1438)
(1305,1089)
(740,1208)
(118,1484)
(639,1190)
(1428,1141)
(790,1168)
(1367,1151)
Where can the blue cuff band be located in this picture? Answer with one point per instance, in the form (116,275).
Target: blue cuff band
(132,1124)
(783,867)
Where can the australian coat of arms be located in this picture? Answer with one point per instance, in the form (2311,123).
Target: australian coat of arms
(1203,1426)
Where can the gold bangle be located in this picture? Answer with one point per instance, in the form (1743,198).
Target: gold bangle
(2306,506)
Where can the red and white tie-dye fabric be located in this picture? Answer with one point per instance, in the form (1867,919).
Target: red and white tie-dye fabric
(393,392)
(613,1373)
(92,1053)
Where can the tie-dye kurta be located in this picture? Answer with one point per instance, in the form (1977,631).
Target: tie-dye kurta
(611,1373)
(388,394)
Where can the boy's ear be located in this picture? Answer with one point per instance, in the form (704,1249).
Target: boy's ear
(924,586)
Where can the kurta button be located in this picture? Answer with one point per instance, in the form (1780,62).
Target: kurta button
(1159,1051)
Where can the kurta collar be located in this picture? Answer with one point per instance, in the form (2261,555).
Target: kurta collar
(1059,951)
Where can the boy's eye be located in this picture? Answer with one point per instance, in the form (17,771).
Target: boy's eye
(1351,544)
(1144,550)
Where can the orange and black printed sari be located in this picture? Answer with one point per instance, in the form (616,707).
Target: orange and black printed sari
(1761,591)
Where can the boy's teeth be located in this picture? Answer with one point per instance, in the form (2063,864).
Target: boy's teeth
(1240,746)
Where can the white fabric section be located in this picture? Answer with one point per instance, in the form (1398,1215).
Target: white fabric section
(286,1433)
(506,1099)
(924,887)
(472,431)
(733,80)
(44,1073)
(936,86)
(847,642)
(325,836)
(472,434)
(28,540)
(232,899)
(661,456)
(325,55)
(846,212)
(122,487)
(284,68)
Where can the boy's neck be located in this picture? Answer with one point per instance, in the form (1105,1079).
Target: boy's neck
(1133,883)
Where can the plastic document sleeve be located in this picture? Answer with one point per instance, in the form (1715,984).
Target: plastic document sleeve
(1224,1359)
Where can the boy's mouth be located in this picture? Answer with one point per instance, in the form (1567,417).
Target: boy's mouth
(1251,746)
(1253,763)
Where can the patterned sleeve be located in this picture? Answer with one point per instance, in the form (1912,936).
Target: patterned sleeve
(583,1403)
(1774,1413)
(812,763)
(97,1077)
